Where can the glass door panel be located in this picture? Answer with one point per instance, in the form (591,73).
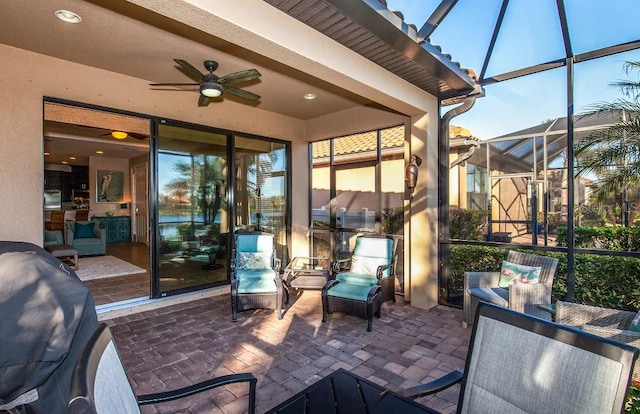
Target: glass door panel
(260,194)
(193,227)
(356,198)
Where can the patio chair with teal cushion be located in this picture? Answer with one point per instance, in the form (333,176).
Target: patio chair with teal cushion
(255,280)
(362,287)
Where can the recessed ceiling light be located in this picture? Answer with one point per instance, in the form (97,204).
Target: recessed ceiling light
(65,162)
(72,157)
(47,153)
(99,152)
(309,96)
(67,16)
(119,134)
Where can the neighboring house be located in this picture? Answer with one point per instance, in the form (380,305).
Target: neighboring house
(514,173)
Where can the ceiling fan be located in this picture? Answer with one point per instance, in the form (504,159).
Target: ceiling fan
(120,134)
(212,85)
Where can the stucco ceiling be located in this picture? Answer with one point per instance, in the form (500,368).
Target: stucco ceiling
(133,42)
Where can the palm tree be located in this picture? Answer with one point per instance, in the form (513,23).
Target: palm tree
(613,153)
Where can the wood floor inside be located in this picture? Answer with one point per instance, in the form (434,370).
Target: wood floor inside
(175,274)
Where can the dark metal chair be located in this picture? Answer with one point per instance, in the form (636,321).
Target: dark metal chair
(520,363)
(363,282)
(255,274)
(101,386)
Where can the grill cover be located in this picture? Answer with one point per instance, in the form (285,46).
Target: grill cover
(46,316)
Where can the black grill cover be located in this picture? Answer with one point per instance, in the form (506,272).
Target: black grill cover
(46,316)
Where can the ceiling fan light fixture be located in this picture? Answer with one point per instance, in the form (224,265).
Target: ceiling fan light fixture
(119,134)
(309,96)
(211,89)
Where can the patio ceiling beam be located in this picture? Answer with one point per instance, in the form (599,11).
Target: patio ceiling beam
(582,57)
(436,18)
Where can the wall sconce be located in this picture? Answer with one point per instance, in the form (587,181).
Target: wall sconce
(411,173)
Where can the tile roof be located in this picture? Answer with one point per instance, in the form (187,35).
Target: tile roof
(366,143)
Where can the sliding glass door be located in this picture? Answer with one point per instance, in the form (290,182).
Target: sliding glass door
(192,221)
(261,189)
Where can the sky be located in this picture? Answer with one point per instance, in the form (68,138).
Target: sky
(530,35)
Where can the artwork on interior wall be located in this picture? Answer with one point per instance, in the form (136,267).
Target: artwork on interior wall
(109,186)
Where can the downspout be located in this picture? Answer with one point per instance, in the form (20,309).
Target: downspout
(444,251)
(472,148)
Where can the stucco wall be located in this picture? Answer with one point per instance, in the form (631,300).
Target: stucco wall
(28,77)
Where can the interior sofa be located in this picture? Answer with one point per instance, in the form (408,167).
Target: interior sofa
(86,237)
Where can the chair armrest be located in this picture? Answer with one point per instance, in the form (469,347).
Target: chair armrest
(340,265)
(481,279)
(102,235)
(70,237)
(575,314)
(200,387)
(621,335)
(382,268)
(442,383)
(528,294)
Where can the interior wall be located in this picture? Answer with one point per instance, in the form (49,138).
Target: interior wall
(21,158)
(109,164)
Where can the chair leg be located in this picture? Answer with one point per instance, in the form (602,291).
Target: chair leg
(234,308)
(325,308)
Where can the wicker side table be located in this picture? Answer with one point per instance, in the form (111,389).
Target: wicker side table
(307,273)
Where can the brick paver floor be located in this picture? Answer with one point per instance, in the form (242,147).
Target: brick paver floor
(190,342)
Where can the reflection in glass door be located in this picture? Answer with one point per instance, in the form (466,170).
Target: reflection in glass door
(260,195)
(193,227)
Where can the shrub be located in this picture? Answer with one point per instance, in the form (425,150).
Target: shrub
(467,224)
(609,238)
(605,281)
(477,258)
(393,220)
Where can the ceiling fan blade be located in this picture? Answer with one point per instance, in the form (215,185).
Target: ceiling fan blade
(174,84)
(138,136)
(203,100)
(190,70)
(241,93)
(237,77)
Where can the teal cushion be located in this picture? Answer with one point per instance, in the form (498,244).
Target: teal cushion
(374,247)
(635,323)
(512,273)
(257,286)
(255,243)
(243,274)
(369,265)
(84,230)
(356,279)
(350,291)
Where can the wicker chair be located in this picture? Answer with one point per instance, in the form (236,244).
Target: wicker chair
(361,287)
(255,274)
(609,323)
(483,286)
